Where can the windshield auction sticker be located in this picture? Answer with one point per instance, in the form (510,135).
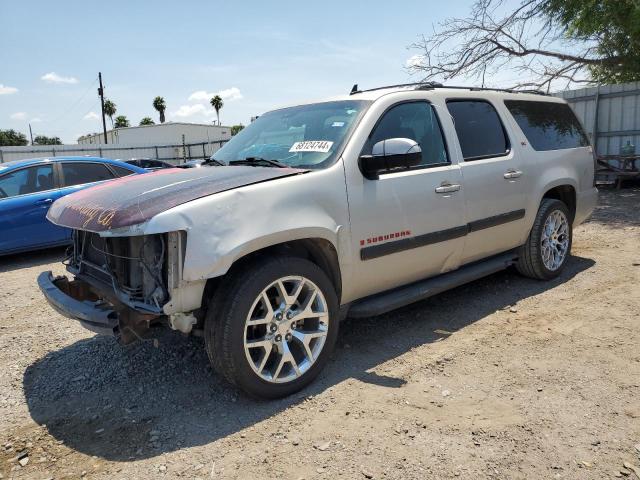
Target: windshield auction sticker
(320,146)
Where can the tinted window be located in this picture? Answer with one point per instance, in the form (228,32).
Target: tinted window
(416,121)
(121,171)
(548,126)
(79,173)
(479,129)
(27,180)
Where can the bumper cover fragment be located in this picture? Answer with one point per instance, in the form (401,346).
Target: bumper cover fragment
(73,300)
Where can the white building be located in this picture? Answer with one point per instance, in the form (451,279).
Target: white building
(169,133)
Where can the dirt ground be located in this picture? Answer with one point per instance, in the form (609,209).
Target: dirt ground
(504,378)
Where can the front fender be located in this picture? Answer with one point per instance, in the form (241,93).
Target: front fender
(226,258)
(227,226)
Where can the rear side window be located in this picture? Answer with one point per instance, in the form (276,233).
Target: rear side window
(479,129)
(121,171)
(79,173)
(548,126)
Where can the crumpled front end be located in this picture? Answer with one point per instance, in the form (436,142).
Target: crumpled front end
(134,268)
(121,284)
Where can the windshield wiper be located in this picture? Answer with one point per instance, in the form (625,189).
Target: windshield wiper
(213,161)
(258,161)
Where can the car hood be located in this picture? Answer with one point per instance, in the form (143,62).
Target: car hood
(137,198)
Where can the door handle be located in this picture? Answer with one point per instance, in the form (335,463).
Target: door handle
(448,188)
(512,174)
(44,201)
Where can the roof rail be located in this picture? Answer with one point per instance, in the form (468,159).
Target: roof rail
(418,85)
(434,85)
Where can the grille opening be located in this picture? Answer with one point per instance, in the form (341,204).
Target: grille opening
(134,267)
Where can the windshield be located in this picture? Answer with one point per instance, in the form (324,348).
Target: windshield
(307,136)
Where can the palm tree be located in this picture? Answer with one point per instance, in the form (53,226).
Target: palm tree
(217,104)
(121,121)
(110,110)
(160,105)
(147,121)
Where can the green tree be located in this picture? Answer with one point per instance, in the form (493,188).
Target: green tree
(11,138)
(110,110)
(160,105)
(121,122)
(147,121)
(611,27)
(543,43)
(217,104)
(236,128)
(44,140)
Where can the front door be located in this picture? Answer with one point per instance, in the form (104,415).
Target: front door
(25,197)
(408,224)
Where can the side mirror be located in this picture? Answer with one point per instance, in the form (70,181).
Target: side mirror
(388,155)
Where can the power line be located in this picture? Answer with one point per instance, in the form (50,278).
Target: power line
(76,103)
(76,122)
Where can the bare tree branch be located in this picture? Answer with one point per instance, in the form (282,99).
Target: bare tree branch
(489,40)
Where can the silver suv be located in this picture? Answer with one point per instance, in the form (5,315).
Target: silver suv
(349,207)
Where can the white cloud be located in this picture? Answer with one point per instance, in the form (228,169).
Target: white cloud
(91,116)
(200,95)
(18,116)
(232,93)
(4,90)
(202,107)
(228,94)
(190,110)
(36,120)
(415,61)
(53,77)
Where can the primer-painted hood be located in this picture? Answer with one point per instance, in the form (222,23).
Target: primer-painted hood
(137,198)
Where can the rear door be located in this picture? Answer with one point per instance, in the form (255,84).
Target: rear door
(494,179)
(25,197)
(408,224)
(78,175)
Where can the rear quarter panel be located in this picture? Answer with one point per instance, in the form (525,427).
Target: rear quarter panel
(545,170)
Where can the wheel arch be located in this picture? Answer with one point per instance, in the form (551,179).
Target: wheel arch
(318,250)
(566,193)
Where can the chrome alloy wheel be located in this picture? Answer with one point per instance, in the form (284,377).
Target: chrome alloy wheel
(555,240)
(286,329)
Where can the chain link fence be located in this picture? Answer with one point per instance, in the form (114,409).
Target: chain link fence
(175,154)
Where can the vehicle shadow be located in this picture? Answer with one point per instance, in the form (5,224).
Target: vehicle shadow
(126,403)
(19,261)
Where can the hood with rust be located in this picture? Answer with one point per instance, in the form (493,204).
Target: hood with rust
(135,199)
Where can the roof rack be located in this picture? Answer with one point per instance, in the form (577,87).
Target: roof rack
(433,85)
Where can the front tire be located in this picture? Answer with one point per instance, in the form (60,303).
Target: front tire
(272,326)
(545,252)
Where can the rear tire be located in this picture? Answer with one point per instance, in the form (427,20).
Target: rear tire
(272,326)
(545,252)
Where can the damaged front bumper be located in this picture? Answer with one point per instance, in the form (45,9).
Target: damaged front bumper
(76,300)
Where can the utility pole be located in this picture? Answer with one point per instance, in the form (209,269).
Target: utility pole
(31,134)
(101,93)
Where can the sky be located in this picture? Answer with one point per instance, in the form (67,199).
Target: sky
(256,55)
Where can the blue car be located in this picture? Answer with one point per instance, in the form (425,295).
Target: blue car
(29,187)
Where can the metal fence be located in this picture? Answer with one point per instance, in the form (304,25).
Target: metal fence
(175,154)
(610,114)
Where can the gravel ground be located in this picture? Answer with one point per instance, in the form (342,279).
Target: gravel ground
(504,378)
